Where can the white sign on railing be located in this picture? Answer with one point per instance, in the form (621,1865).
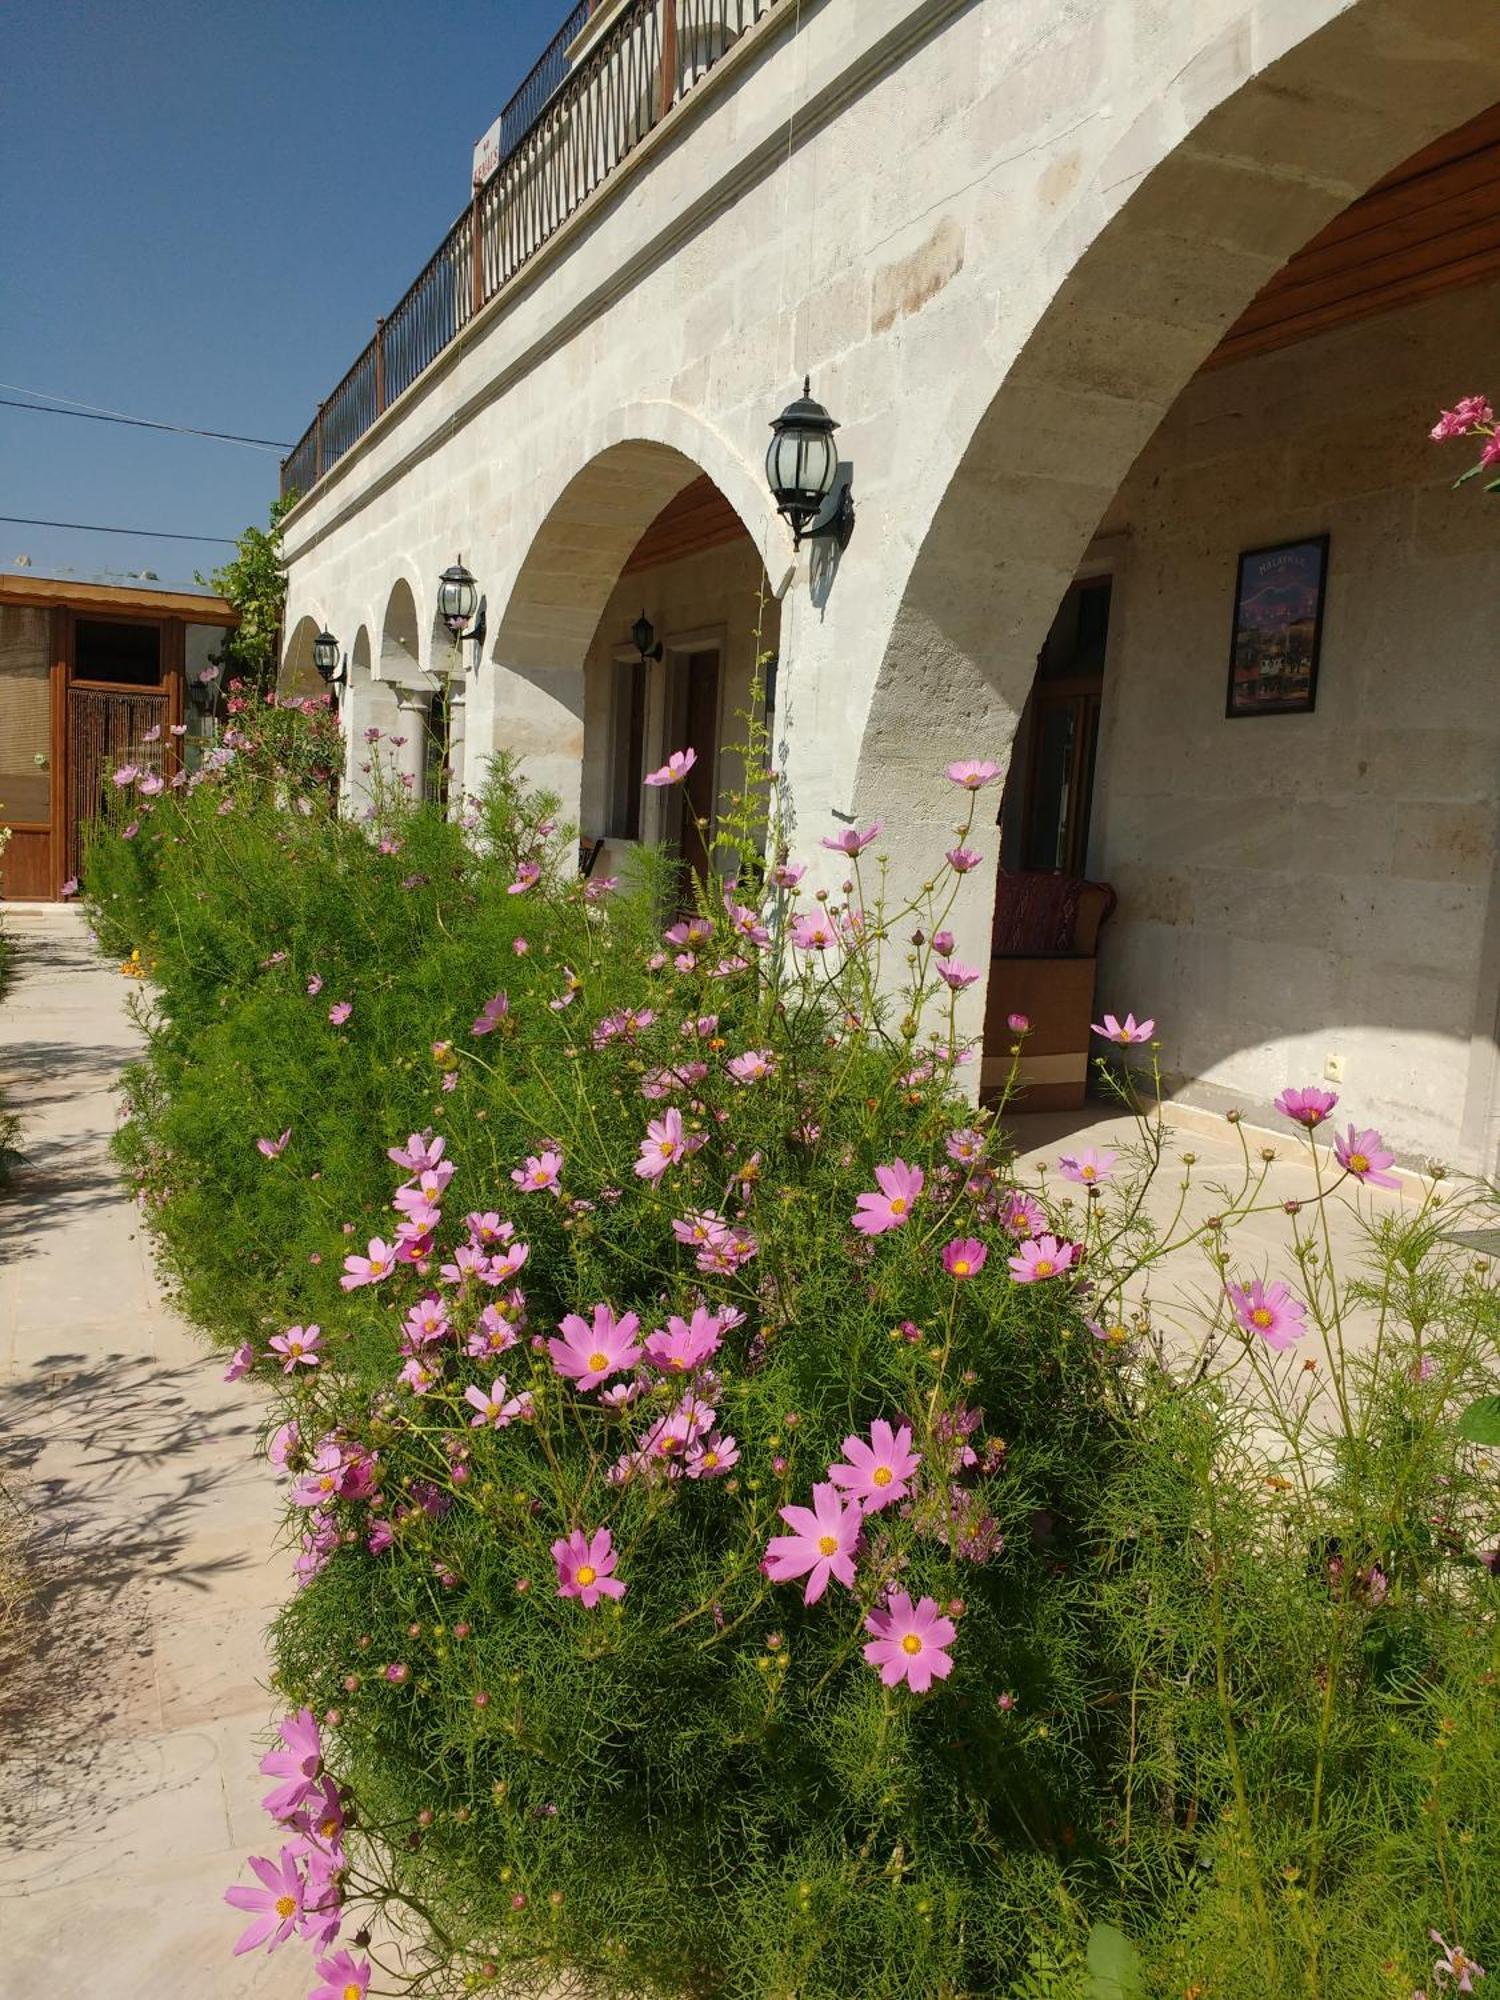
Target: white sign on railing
(487,155)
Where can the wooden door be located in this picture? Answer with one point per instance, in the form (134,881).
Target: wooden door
(29,781)
(107,728)
(701,734)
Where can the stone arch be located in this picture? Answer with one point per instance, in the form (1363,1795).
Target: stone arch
(1168,258)
(1177,251)
(582,533)
(368,703)
(298,678)
(400,659)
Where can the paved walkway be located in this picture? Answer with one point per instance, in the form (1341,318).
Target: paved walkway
(130,1726)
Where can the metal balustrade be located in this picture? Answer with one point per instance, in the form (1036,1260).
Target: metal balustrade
(563,133)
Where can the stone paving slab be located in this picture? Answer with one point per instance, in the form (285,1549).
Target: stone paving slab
(129,1739)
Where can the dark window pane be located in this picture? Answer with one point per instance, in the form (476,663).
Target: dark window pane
(1047,820)
(107,650)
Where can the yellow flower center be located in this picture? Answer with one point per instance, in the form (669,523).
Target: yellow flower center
(1359,1163)
(585,1574)
(911,1643)
(828,1545)
(898,1204)
(353,1990)
(960,1267)
(377,1267)
(286,1906)
(598,1363)
(1088,1173)
(1044,1267)
(328,1827)
(1262,1316)
(1121,1036)
(882,1475)
(668,1148)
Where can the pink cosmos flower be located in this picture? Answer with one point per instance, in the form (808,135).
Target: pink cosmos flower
(1307,1105)
(671,1438)
(542,1173)
(1087,1166)
(1042,1257)
(674,770)
(427,1322)
(1269,1310)
(813,931)
(1366,1156)
(962,859)
(126,775)
(298,1763)
(528,874)
(491,1014)
(1020,1024)
(712,1457)
(69,888)
(877,1473)
(965,1145)
(151,784)
(495,1334)
(663,1146)
(278,1902)
(1455,1967)
(787,874)
(1466,413)
(130,832)
(964,1257)
(684,1344)
(378,1263)
(343,1977)
(972,773)
(910,1643)
(589,1353)
(1022,1215)
(340,1011)
(955,975)
(822,1543)
(900,1185)
(585,1567)
(496,1406)
(1123,1031)
(420,1152)
(849,840)
(274,1148)
(240,1362)
(297,1344)
(751,1066)
(315,986)
(503,1267)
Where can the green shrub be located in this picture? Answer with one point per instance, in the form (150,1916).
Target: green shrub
(1222,1653)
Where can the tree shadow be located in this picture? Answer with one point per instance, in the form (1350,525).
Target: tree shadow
(111,1459)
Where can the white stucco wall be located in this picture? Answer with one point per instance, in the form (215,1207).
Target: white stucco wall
(1297,886)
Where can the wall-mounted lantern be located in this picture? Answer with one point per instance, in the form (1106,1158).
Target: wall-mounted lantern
(458,602)
(802,470)
(643,638)
(331,671)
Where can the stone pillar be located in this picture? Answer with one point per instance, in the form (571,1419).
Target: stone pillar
(457,715)
(411,723)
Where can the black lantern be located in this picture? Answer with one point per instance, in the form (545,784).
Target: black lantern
(326,656)
(643,638)
(457,598)
(802,469)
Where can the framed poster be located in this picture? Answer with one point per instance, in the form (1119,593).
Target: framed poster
(1278,629)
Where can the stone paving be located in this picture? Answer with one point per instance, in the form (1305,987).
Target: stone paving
(132,1706)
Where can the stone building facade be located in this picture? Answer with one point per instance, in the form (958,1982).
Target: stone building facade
(1064,274)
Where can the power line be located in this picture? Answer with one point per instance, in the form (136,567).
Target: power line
(93,528)
(64,406)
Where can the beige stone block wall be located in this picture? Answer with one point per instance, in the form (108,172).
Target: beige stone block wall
(1294,887)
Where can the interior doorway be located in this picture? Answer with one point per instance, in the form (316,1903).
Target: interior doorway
(695,695)
(1048,804)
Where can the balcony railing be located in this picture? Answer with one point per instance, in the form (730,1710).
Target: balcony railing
(562,134)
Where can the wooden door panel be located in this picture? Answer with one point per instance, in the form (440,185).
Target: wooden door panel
(26,866)
(105,730)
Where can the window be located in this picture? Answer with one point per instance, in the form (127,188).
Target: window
(627,747)
(25,715)
(106,649)
(1061,735)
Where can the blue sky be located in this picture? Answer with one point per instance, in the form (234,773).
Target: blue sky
(206,206)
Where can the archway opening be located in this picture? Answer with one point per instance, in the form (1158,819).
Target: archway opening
(642,532)
(1287,776)
(298,679)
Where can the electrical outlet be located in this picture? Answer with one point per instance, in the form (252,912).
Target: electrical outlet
(1333,1068)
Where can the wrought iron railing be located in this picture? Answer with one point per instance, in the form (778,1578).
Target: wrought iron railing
(562,134)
